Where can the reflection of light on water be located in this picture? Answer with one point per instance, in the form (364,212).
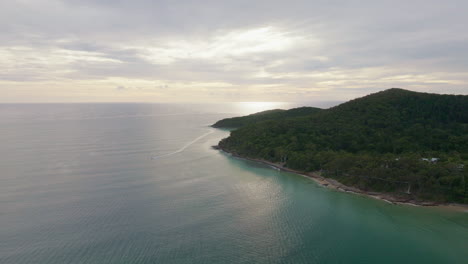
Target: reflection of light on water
(254,107)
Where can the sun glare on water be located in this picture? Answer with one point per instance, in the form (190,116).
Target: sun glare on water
(254,107)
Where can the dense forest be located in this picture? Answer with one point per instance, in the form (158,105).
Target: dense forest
(397,141)
(276,114)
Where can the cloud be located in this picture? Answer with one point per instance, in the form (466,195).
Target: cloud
(211,50)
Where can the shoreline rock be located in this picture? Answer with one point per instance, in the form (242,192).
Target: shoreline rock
(335,185)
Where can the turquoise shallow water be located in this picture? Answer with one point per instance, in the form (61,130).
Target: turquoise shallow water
(139,183)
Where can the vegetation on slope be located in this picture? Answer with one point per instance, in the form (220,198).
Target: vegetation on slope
(413,144)
(275,114)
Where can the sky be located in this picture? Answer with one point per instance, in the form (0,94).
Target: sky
(222,51)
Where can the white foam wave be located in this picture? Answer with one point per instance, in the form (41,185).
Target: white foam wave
(184,147)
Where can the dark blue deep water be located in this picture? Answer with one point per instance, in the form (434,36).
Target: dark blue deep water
(139,183)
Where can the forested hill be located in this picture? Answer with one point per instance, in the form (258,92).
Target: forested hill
(275,114)
(387,135)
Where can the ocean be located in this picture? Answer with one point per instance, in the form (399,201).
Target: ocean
(140,183)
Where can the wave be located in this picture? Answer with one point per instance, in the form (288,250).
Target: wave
(184,147)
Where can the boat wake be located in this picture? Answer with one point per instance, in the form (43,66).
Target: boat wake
(184,147)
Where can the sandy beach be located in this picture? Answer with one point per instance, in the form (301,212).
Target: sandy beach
(335,185)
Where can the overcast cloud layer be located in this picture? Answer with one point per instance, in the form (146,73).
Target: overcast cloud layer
(162,51)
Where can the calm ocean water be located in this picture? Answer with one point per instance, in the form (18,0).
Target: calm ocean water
(139,183)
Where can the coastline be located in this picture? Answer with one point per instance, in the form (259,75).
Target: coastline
(335,185)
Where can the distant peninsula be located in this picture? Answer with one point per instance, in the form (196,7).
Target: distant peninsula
(399,145)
